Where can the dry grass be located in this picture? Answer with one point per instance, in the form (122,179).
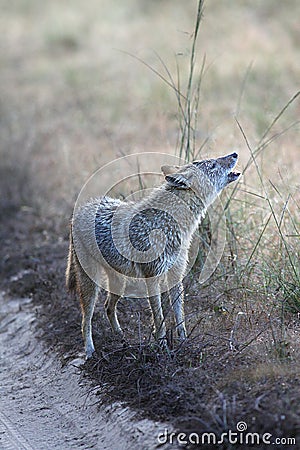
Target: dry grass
(72,101)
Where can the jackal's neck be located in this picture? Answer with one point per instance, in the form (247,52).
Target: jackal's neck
(182,204)
(194,203)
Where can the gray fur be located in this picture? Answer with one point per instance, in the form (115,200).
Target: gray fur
(143,243)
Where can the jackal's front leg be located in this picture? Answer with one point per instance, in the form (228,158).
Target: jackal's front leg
(158,318)
(177,299)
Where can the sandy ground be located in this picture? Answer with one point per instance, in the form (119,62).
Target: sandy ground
(42,405)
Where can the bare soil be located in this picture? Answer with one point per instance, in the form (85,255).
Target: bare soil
(42,405)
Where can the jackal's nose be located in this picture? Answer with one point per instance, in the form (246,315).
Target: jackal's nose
(234,155)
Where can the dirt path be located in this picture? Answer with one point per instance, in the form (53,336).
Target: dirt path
(42,405)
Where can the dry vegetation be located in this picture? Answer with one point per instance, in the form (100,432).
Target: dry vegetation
(72,99)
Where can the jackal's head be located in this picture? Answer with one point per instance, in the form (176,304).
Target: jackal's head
(205,178)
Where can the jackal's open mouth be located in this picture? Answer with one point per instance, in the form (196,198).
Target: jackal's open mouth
(232,176)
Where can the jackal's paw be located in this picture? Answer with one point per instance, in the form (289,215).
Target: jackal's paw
(162,342)
(182,334)
(90,353)
(119,332)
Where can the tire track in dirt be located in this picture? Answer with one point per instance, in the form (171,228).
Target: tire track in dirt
(42,405)
(10,437)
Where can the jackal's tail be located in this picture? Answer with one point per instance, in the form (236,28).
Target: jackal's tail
(71,268)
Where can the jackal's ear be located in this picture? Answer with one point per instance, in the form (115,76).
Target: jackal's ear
(179,180)
(168,170)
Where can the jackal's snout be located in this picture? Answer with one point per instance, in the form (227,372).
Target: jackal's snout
(229,161)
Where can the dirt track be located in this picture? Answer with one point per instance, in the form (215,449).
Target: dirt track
(42,405)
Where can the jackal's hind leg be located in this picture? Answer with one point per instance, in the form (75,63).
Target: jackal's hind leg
(116,286)
(111,312)
(88,293)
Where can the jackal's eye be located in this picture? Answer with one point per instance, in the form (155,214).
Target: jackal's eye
(214,165)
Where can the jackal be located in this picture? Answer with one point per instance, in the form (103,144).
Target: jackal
(143,242)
